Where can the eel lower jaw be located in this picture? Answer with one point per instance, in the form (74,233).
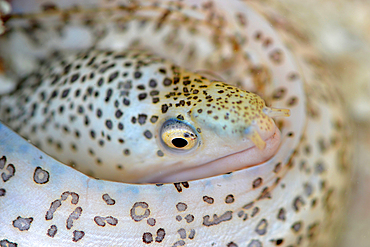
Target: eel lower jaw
(243,159)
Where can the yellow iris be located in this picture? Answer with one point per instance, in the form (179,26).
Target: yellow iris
(178,135)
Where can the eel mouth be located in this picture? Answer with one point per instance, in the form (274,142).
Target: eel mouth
(249,157)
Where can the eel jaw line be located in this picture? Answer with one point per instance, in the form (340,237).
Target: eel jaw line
(243,159)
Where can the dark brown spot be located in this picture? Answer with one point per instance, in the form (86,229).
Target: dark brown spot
(142,96)
(164,108)
(112,76)
(192,234)
(160,153)
(108,200)
(153,119)
(100,82)
(147,237)
(179,243)
(154,93)
(11,171)
(255,211)
(152,83)
(257,182)
(53,207)
(229,199)
(181,206)
(167,82)
(277,167)
(126,102)
(282,214)
(142,118)
(101,221)
(126,152)
(137,74)
(139,211)
(261,228)
(108,95)
(151,222)
(2,162)
(308,189)
(40,176)
(265,193)
(23,224)
(65,93)
(249,205)
(160,235)
(279,93)
(276,56)
(75,197)
(162,71)
(75,77)
(182,233)
(118,113)
(178,186)
(7,243)
(319,168)
(208,199)
(189,218)
(297,226)
(231,244)
(52,231)
(228,215)
(148,134)
(78,235)
(293,76)
(254,243)
(292,101)
(73,216)
(298,203)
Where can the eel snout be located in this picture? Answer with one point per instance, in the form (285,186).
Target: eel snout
(249,157)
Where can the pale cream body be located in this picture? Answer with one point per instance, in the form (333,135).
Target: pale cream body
(280,201)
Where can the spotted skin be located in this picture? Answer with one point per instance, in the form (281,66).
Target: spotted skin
(293,199)
(122,99)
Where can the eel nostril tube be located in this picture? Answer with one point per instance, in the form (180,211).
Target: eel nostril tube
(274,112)
(252,133)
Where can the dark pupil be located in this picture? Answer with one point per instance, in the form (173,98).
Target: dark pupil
(179,142)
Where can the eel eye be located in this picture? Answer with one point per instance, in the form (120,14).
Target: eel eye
(177,135)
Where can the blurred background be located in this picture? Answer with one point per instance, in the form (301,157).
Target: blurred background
(341,30)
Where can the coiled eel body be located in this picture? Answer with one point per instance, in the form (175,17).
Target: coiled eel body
(135,92)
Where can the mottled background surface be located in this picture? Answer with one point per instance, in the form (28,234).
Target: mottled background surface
(341,30)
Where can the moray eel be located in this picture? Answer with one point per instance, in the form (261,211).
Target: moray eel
(133,117)
(154,148)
